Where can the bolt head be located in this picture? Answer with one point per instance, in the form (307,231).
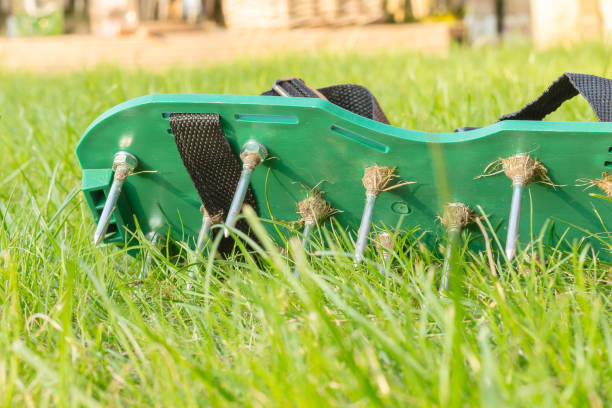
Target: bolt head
(253,147)
(125,159)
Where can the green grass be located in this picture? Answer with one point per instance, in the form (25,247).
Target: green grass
(75,329)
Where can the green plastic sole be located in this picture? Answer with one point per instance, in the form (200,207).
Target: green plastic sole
(313,142)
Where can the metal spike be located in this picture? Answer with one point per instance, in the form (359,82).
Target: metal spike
(306,238)
(385,247)
(364,227)
(375,180)
(238,199)
(156,239)
(203,236)
(455,218)
(307,229)
(192,271)
(124,164)
(454,239)
(522,169)
(514,221)
(252,154)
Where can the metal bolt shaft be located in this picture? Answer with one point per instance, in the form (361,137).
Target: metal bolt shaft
(123,164)
(385,248)
(204,231)
(514,221)
(238,200)
(157,239)
(306,237)
(450,256)
(364,227)
(252,154)
(306,234)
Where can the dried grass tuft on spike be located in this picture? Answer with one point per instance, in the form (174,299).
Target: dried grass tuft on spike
(604,183)
(521,169)
(214,219)
(457,215)
(385,243)
(217,218)
(122,172)
(251,160)
(314,208)
(376,179)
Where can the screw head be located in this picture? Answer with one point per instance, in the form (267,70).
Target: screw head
(125,159)
(253,147)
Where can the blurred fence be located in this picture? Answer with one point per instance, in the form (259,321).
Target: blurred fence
(103,17)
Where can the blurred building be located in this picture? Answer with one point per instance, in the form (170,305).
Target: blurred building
(273,14)
(103,17)
(111,17)
(547,22)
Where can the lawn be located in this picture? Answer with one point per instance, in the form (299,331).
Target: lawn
(76,328)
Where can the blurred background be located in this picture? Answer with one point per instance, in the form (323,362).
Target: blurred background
(51,34)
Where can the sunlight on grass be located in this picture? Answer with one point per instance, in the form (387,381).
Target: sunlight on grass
(76,328)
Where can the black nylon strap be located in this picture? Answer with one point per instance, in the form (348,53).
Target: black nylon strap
(295,87)
(210,162)
(596,90)
(355,98)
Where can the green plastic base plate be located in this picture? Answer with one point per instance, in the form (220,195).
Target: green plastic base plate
(313,142)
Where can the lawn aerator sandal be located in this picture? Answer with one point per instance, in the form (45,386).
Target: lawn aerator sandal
(177,164)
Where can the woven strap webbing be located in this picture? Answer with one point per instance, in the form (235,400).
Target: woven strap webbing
(355,98)
(596,90)
(210,162)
